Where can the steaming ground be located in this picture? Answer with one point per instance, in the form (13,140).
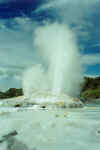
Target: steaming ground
(52,129)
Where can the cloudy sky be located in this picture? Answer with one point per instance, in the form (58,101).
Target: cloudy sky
(19,19)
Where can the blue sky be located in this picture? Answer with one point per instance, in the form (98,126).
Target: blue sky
(19,19)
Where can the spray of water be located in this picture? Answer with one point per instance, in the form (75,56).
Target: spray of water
(60,69)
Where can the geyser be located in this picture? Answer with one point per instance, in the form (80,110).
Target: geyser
(60,68)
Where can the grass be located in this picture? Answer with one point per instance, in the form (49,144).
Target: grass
(92,93)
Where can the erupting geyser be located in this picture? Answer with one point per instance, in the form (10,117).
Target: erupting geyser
(60,68)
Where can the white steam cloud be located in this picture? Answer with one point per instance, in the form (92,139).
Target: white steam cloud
(56,45)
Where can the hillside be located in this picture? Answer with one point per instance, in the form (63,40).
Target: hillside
(91,89)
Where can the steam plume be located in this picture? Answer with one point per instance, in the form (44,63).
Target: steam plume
(57,47)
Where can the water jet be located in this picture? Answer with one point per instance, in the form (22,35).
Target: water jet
(56,45)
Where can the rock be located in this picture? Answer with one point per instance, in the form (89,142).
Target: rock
(12,142)
(18,105)
(43,106)
(98,132)
(5,137)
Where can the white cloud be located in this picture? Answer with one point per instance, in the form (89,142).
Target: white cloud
(25,23)
(91,59)
(10,78)
(16,48)
(72,12)
(91,75)
(16,53)
(7,82)
(95,45)
(60,3)
(12,72)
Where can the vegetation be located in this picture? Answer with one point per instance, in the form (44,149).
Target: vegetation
(91,89)
(12,92)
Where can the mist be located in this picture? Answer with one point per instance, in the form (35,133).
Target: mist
(60,70)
